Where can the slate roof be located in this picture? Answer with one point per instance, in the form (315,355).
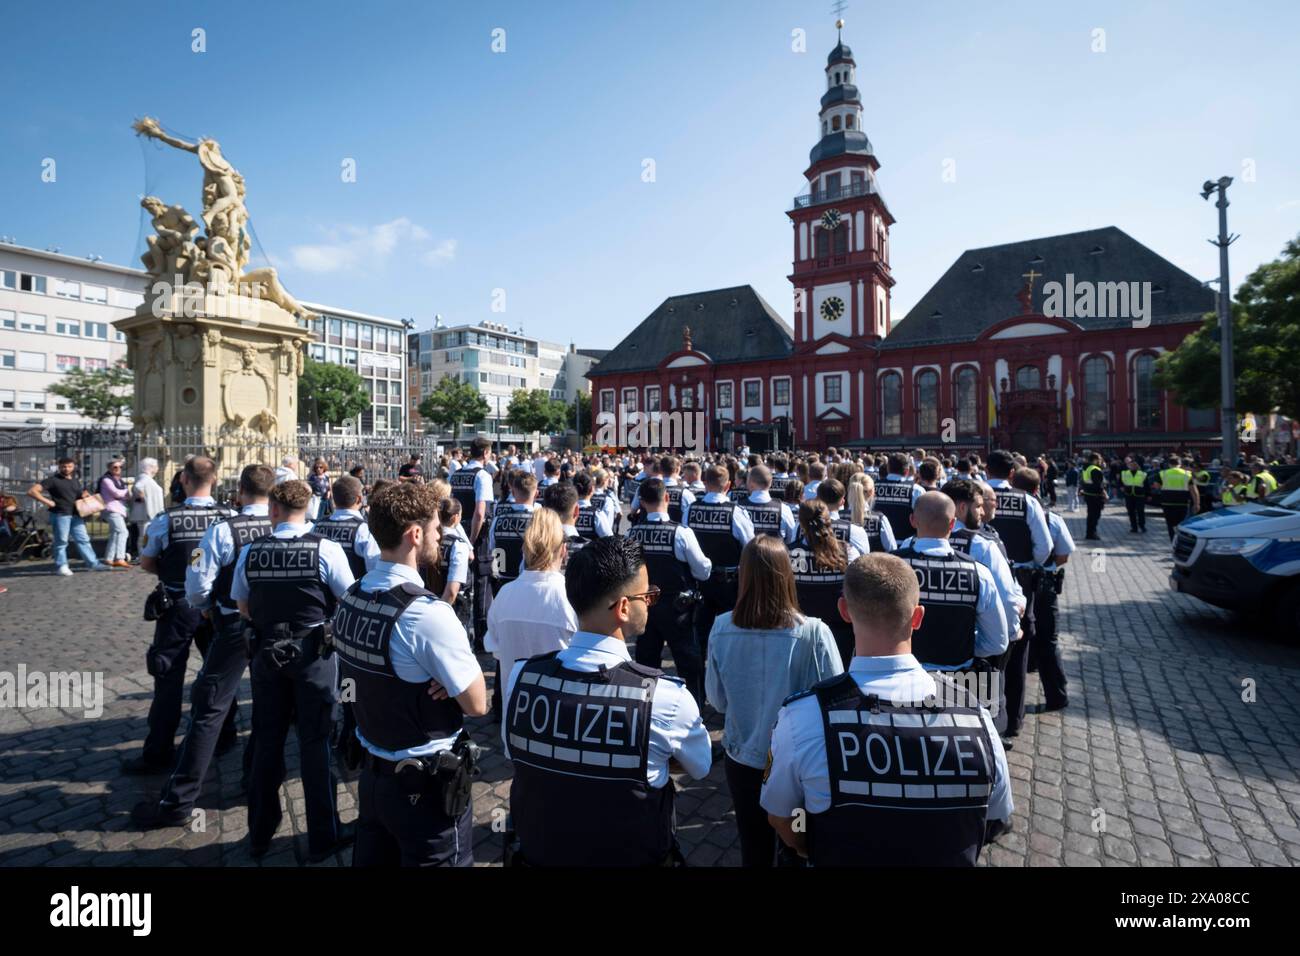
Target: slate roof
(728,325)
(840,54)
(594,353)
(979,289)
(837,144)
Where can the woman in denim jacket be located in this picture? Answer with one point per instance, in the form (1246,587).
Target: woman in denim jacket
(760,654)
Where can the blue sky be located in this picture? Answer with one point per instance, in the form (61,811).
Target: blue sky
(522,170)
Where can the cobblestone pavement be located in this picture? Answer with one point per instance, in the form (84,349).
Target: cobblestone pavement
(1157,761)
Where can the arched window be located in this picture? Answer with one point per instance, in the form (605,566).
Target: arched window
(1096,395)
(1146,396)
(825,127)
(891,404)
(848,122)
(967,401)
(927,402)
(835,123)
(1202,418)
(1027,377)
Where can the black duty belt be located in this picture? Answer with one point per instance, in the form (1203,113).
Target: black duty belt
(726,574)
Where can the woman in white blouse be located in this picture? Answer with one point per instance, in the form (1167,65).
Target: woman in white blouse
(531,614)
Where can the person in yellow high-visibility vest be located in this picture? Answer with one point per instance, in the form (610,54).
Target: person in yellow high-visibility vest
(1178,494)
(1093,488)
(1134,480)
(1201,475)
(1234,488)
(1262,483)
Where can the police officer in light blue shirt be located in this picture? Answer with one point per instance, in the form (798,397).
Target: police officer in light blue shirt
(347,526)
(213,696)
(171,544)
(831,491)
(593,522)
(286,584)
(948,792)
(966,539)
(603,798)
(759,482)
(415,679)
(933,519)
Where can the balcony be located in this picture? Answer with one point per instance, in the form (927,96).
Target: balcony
(852,191)
(1030,397)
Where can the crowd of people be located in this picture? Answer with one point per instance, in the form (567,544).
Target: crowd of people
(865,625)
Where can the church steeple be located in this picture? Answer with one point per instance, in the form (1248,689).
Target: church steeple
(840,117)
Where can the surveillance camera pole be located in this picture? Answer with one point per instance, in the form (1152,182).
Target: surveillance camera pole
(1227,377)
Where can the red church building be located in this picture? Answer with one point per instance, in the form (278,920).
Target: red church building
(1038,345)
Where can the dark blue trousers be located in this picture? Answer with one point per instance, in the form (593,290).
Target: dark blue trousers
(212,706)
(165,660)
(394,831)
(303,695)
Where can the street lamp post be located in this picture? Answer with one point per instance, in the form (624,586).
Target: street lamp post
(1227,377)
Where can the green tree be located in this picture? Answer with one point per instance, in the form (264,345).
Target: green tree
(98,394)
(452,403)
(536,411)
(330,394)
(581,409)
(1265,346)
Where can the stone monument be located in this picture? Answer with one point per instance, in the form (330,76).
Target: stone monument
(216,347)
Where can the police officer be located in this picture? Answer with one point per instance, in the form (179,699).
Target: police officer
(723,529)
(471,486)
(593,519)
(880,533)
(562,498)
(213,696)
(1044,654)
(1134,480)
(454,555)
(896,493)
(416,679)
(286,585)
(675,563)
(831,492)
(591,734)
(1092,485)
(1201,475)
(677,496)
(506,533)
(767,515)
(605,499)
(818,559)
(691,478)
(1020,523)
(966,538)
(172,542)
(1178,494)
(1262,483)
(945,789)
(965,611)
(347,527)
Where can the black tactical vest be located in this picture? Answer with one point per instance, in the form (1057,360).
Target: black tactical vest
(673,494)
(393,714)
(580,743)
(777,488)
(462,489)
(629,490)
(991,534)
(244,530)
(585,524)
(842,529)
(871,523)
(284,583)
(910,783)
(765,515)
(575,543)
(817,587)
(894,501)
(508,527)
(445,545)
(738,495)
(186,525)
(667,572)
(712,526)
(960,539)
(343,531)
(1012,524)
(950,593)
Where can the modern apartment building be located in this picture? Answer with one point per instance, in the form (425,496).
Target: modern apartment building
(374,348)
(56,314)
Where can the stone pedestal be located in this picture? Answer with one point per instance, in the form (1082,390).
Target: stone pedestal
(217,362)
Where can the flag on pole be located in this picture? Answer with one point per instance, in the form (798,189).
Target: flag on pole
(1069,403)
(993,406)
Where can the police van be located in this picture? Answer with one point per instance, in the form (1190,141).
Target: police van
(1245,557)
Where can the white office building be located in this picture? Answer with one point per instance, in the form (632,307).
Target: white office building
(374,348)
(56,314)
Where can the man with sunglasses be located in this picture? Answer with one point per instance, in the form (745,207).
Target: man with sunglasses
(592,734)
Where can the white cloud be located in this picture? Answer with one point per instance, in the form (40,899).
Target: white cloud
(444,251)
(351,248)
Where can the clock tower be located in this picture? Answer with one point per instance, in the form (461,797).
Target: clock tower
(841,225)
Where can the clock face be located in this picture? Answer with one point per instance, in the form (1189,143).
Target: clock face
(831,218)
(833,309)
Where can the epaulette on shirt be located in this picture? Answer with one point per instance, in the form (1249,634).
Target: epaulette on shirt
(798,696)
(415,590)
